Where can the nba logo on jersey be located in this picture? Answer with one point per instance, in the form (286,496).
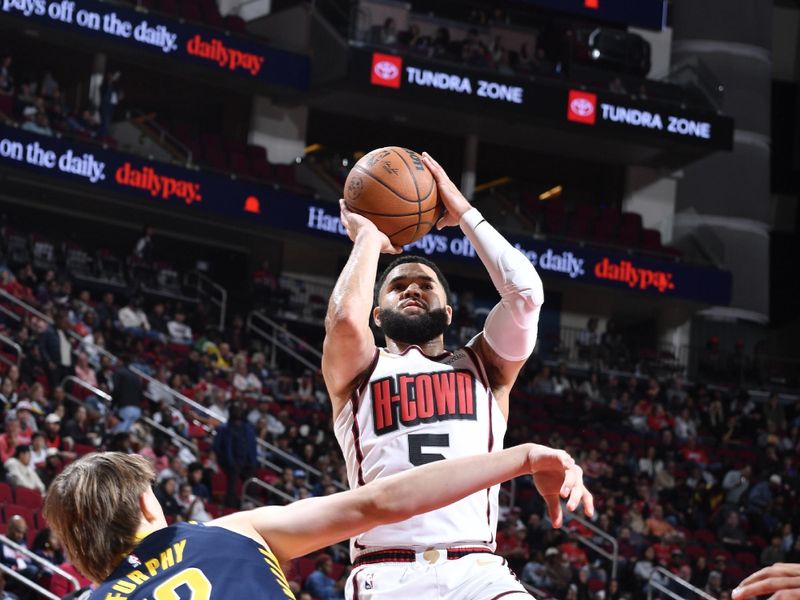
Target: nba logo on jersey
(368,581)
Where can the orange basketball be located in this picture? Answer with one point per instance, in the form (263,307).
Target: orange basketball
(394,189)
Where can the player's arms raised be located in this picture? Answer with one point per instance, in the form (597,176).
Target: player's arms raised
(781,580)
(349,344)
(308,525)
(509,335)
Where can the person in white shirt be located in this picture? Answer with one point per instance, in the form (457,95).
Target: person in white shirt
(133,320)
(21,472)
(244,382)
(179,331)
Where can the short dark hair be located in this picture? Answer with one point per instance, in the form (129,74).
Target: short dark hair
(412,258)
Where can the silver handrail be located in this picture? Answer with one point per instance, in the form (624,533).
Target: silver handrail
(17,348)
(87,386)
(42,561)
(27,582)
(137,116)
(272,337)
(611,556)
(657,585)
(221,301)
(176,437)
(264,485)
(176,394)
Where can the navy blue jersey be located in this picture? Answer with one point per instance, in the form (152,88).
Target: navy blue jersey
(194,562)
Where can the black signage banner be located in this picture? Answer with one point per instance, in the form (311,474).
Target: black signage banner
(552,103)
(146,183)
(649,14)
(157,34)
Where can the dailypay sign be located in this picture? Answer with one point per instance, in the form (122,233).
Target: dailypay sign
(582,264)
(207,46)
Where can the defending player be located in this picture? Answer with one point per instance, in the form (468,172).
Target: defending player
(413,403)
(112,526)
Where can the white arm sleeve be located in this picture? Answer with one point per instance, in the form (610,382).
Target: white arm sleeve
(512,325)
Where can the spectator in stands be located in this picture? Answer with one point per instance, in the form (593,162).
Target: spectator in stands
(774,413)
(557,570)
(731,532)
(56,349)
(193,507)
(319,583)
(388,34)
(20,470)
(9,439)
(110,97)
(165,492)
(158,318)
(38,449)
(237,337)
(126,396)
(27,422)
(735,484)
(143,250)
(4,595)
(562,384)
(195,478)
(473,51)
(17,532)
(542,384)
(243,382)
(8,392)
(179,330)
(685,425)
(48,546)
(79,429)
(773,553)
(440,47)
(235,447)
(134,320)
(657,527)
(761,494)
(6,75)
(219,404)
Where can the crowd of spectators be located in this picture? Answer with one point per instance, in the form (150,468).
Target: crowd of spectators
(39,103)
(701,481)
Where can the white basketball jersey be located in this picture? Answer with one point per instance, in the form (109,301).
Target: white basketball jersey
(411,410)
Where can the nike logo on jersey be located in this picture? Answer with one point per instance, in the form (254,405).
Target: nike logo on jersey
(422,398)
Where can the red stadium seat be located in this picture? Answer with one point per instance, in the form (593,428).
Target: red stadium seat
(705,536)
(27,497)
(6,494)
(651,240)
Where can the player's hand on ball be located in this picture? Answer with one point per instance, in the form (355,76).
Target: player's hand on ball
(781,580)
(556,476)
(355,223)
(454,202)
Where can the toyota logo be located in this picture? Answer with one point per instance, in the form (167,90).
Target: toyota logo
(386,70)
(581,107)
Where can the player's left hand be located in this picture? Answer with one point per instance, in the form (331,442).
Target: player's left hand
(454,202)
(556,476)
(782,580)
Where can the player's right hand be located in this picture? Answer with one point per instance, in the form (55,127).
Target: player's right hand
(355,224)
(782,580)
(556,476)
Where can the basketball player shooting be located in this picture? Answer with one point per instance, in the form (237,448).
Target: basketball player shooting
(413,403)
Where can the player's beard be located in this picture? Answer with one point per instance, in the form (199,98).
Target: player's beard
(413,329)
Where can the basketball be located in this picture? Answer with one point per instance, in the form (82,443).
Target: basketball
(394,189)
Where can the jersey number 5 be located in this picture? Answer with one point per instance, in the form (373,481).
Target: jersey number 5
(193,578)
(417,440)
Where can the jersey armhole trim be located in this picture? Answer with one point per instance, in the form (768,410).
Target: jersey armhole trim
(476,360)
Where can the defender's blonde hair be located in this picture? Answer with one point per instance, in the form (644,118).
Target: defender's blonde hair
(93,507)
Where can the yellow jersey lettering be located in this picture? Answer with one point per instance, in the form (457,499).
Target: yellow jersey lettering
(152,566)
(125,587)
(137,577)
(179,550)
(167,559)
(111,596)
